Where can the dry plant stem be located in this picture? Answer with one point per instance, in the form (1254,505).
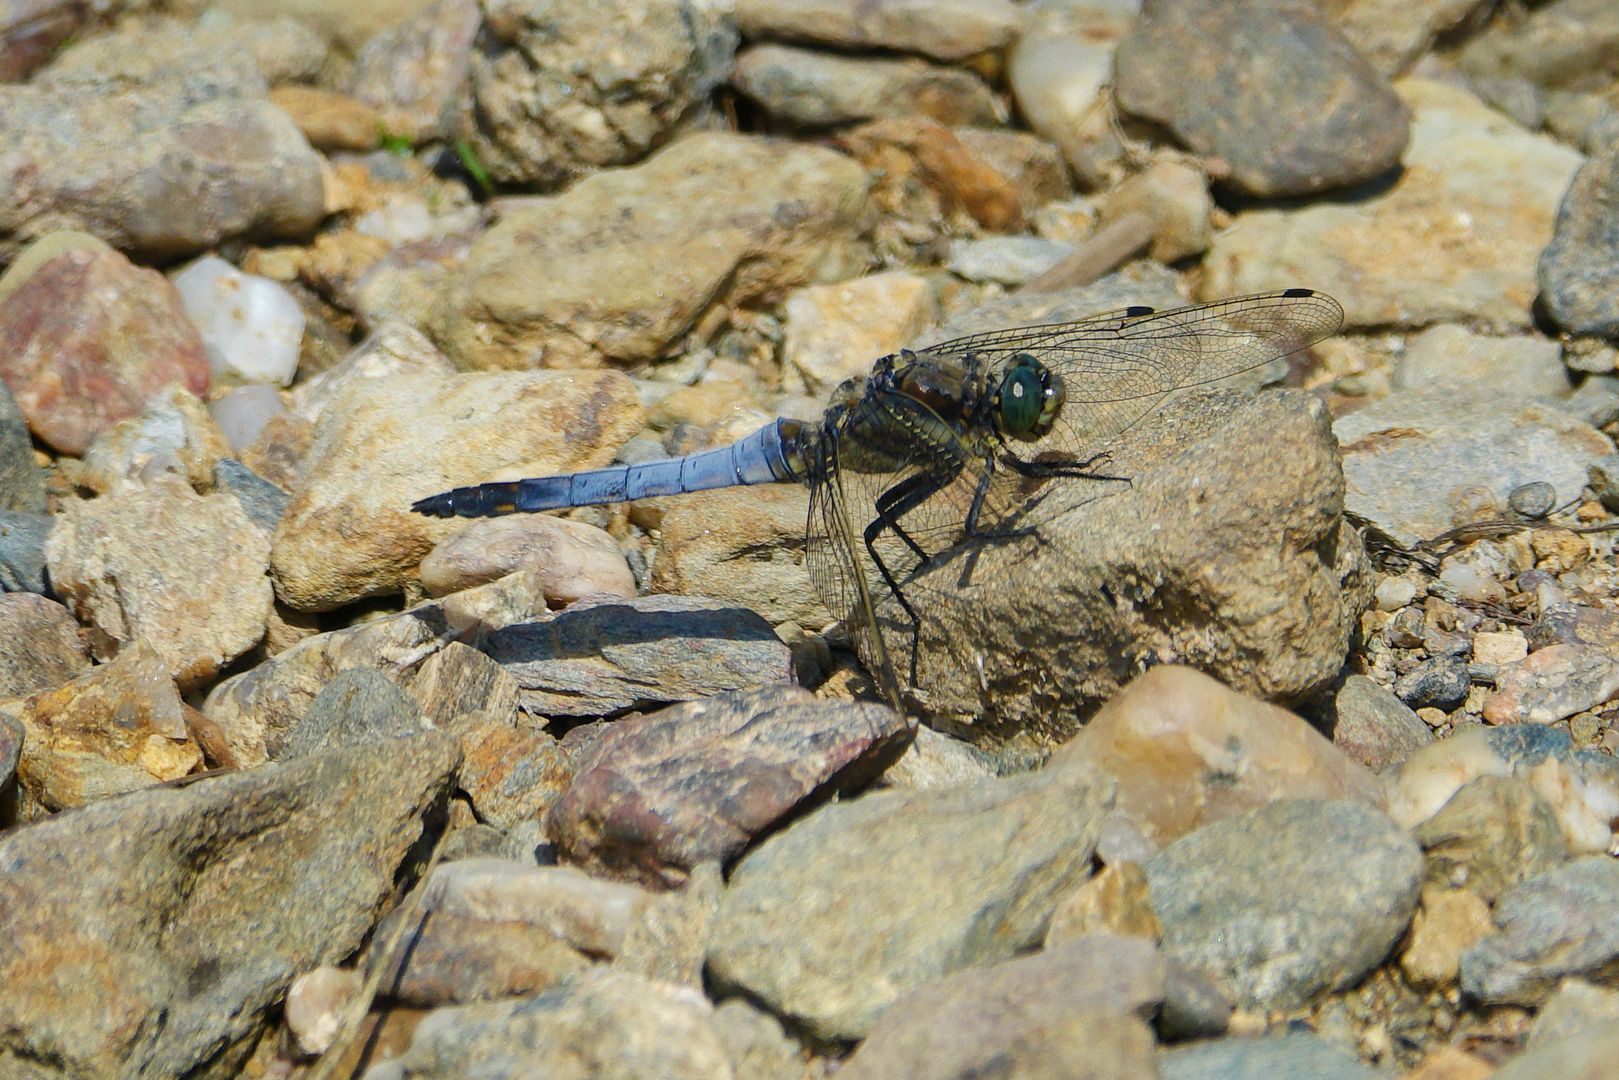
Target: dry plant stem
(1106,249)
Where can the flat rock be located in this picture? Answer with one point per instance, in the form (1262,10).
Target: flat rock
(836,332)
(562,90)
(22,482)
(1453,358)
(604,656)
(76,314)
(357,707)
(596,917)
(1550,927)
(966,1023)
(448,958)
(349,531)
(1455,238)
(1268,1055)
(585,277)
(1353,875)
(1420,462)
(123,141)
(808,88)
(22,551)
(1185,751)
(393,349)
(658,794)
(573,559)
(183,572)
(511,773)
(40,645)
(606,1023)
(118,727)
(1374,727)
(1576,1006)
(1552,684)
(1246,571)
(164,891)
(945,29)
(1270,87)
(956,877)
(1588,1055)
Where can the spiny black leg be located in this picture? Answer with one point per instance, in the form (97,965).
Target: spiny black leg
(1080,470)
(891,506)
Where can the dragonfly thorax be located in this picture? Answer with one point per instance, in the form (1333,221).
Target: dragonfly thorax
(1027,399)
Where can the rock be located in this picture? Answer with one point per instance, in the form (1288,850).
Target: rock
(115,728)
(1060,71)
(1448,923)
(594,917)
(164,892)
(1269,1055)
(349,531)
(315,1003)
(1269,87)
(1552,926)
(114,561)
(1588,1055)
(1420,462)
(1451,1063)
(1580,267)
(262,501)
(22,552)
(174,435)
(956,877)
(604,656)
(573,559)
(1374,727)
(1454,238)
(1453,358)
(756,1044)
(243,412)
(836,332)
(1008,260)
(968,1023)
(606,1023)
(510,773)
(74,313)
(1142,283)
(1174,196)
(1051,623)
(250,325)
(1565,623)
(1500,647)
(1185,751)
(349,26)
(31,32)
(356,708)
(561,90)
(1391,35)
(40,645)
(122,136)
(414,73)
(448,958)
(1553,684)
(658,794)
(806,88)
(1577,785)
(1354,879)
(931,171)
(22,484)
(741,545)
(741,216)
(951,30)
(1441,682)
(332,122)
(391,350)
(935,761)
(1567,44)
(1574,1007)
(1115,901)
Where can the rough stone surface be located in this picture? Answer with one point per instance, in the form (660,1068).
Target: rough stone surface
(181,571)
(451,958)
(605,656)
(808,88)
(624,262)
(1553,684)
(22,484)
(414,73)
(1374,727)
(599,918)
(1354,876)
(357,707)
(1270,1055)
(510,773)
(1269,87)
(349,531)
(161,894)
(1579,270)
(946,29)
(1455,358)
(172,435)
(832,920)
(40,645)
(656,795)
(1060,71)
(87,339)
(573,559)
(1588,1055)
(1550,927)
(836,332)
(1493,833)
(22,551)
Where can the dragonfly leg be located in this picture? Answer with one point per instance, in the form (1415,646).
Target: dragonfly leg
(891,506)
(1081,470)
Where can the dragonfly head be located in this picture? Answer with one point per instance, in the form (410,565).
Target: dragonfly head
(1028,399)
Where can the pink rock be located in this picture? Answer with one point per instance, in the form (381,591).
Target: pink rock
(1553,683)
(87,338)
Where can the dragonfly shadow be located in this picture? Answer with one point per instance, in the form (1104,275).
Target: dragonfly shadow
(585,632)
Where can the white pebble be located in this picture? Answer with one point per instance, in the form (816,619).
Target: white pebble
(251,326)
(242,413)
(1394,593)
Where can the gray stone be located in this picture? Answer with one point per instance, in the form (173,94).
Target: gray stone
(832,920)
(1568,43)
(1266,1056)
(1575,1007)
(22,551)
(758,1047)
(1553,926)
(415,73)
(1009,260)
(1353,879)
(1268,86)
(358,707)
(1586,1055)
(1374,727)
(1453,358)
(1494,833)
(807,88)
(605,656)
(22,484)
(11,740)
(945,29)
(1420,462)
(1441,682)
(152,934)
(1579,270)
(262,500)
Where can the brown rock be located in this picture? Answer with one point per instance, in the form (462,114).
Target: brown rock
(458,679)
(40,645)
(593,916)
(510,773)
(1448,922)
(1186,751)
(87,339)
(658,794)
(947,29)
(174,434)
(947,165)
(329,120)
(572,558)
(452,958)
(1492,834)
(415,73)
(1115,901)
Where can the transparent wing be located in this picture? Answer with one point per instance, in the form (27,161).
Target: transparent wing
(1119,365)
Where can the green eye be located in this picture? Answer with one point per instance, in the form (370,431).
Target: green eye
(1022,396)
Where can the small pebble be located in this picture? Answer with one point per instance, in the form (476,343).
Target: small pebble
(1499,647)
(251,326)
(1533,500)
(1393,593)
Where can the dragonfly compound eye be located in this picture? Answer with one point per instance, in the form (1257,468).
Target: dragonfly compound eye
(1029,398)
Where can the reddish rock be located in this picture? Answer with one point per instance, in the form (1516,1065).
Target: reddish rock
(511,774)
(40,645)
(657,795)
(87,338)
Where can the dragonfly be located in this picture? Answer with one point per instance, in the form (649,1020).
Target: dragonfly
(948,445)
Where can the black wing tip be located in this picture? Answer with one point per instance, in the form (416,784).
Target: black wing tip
(1299,294)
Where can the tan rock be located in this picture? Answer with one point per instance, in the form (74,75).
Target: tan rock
(174,434)
(329,120)
(1115,901)
(1448,923)
(572,558)
(835,332)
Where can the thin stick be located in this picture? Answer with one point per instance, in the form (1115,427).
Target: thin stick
(1105,250)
